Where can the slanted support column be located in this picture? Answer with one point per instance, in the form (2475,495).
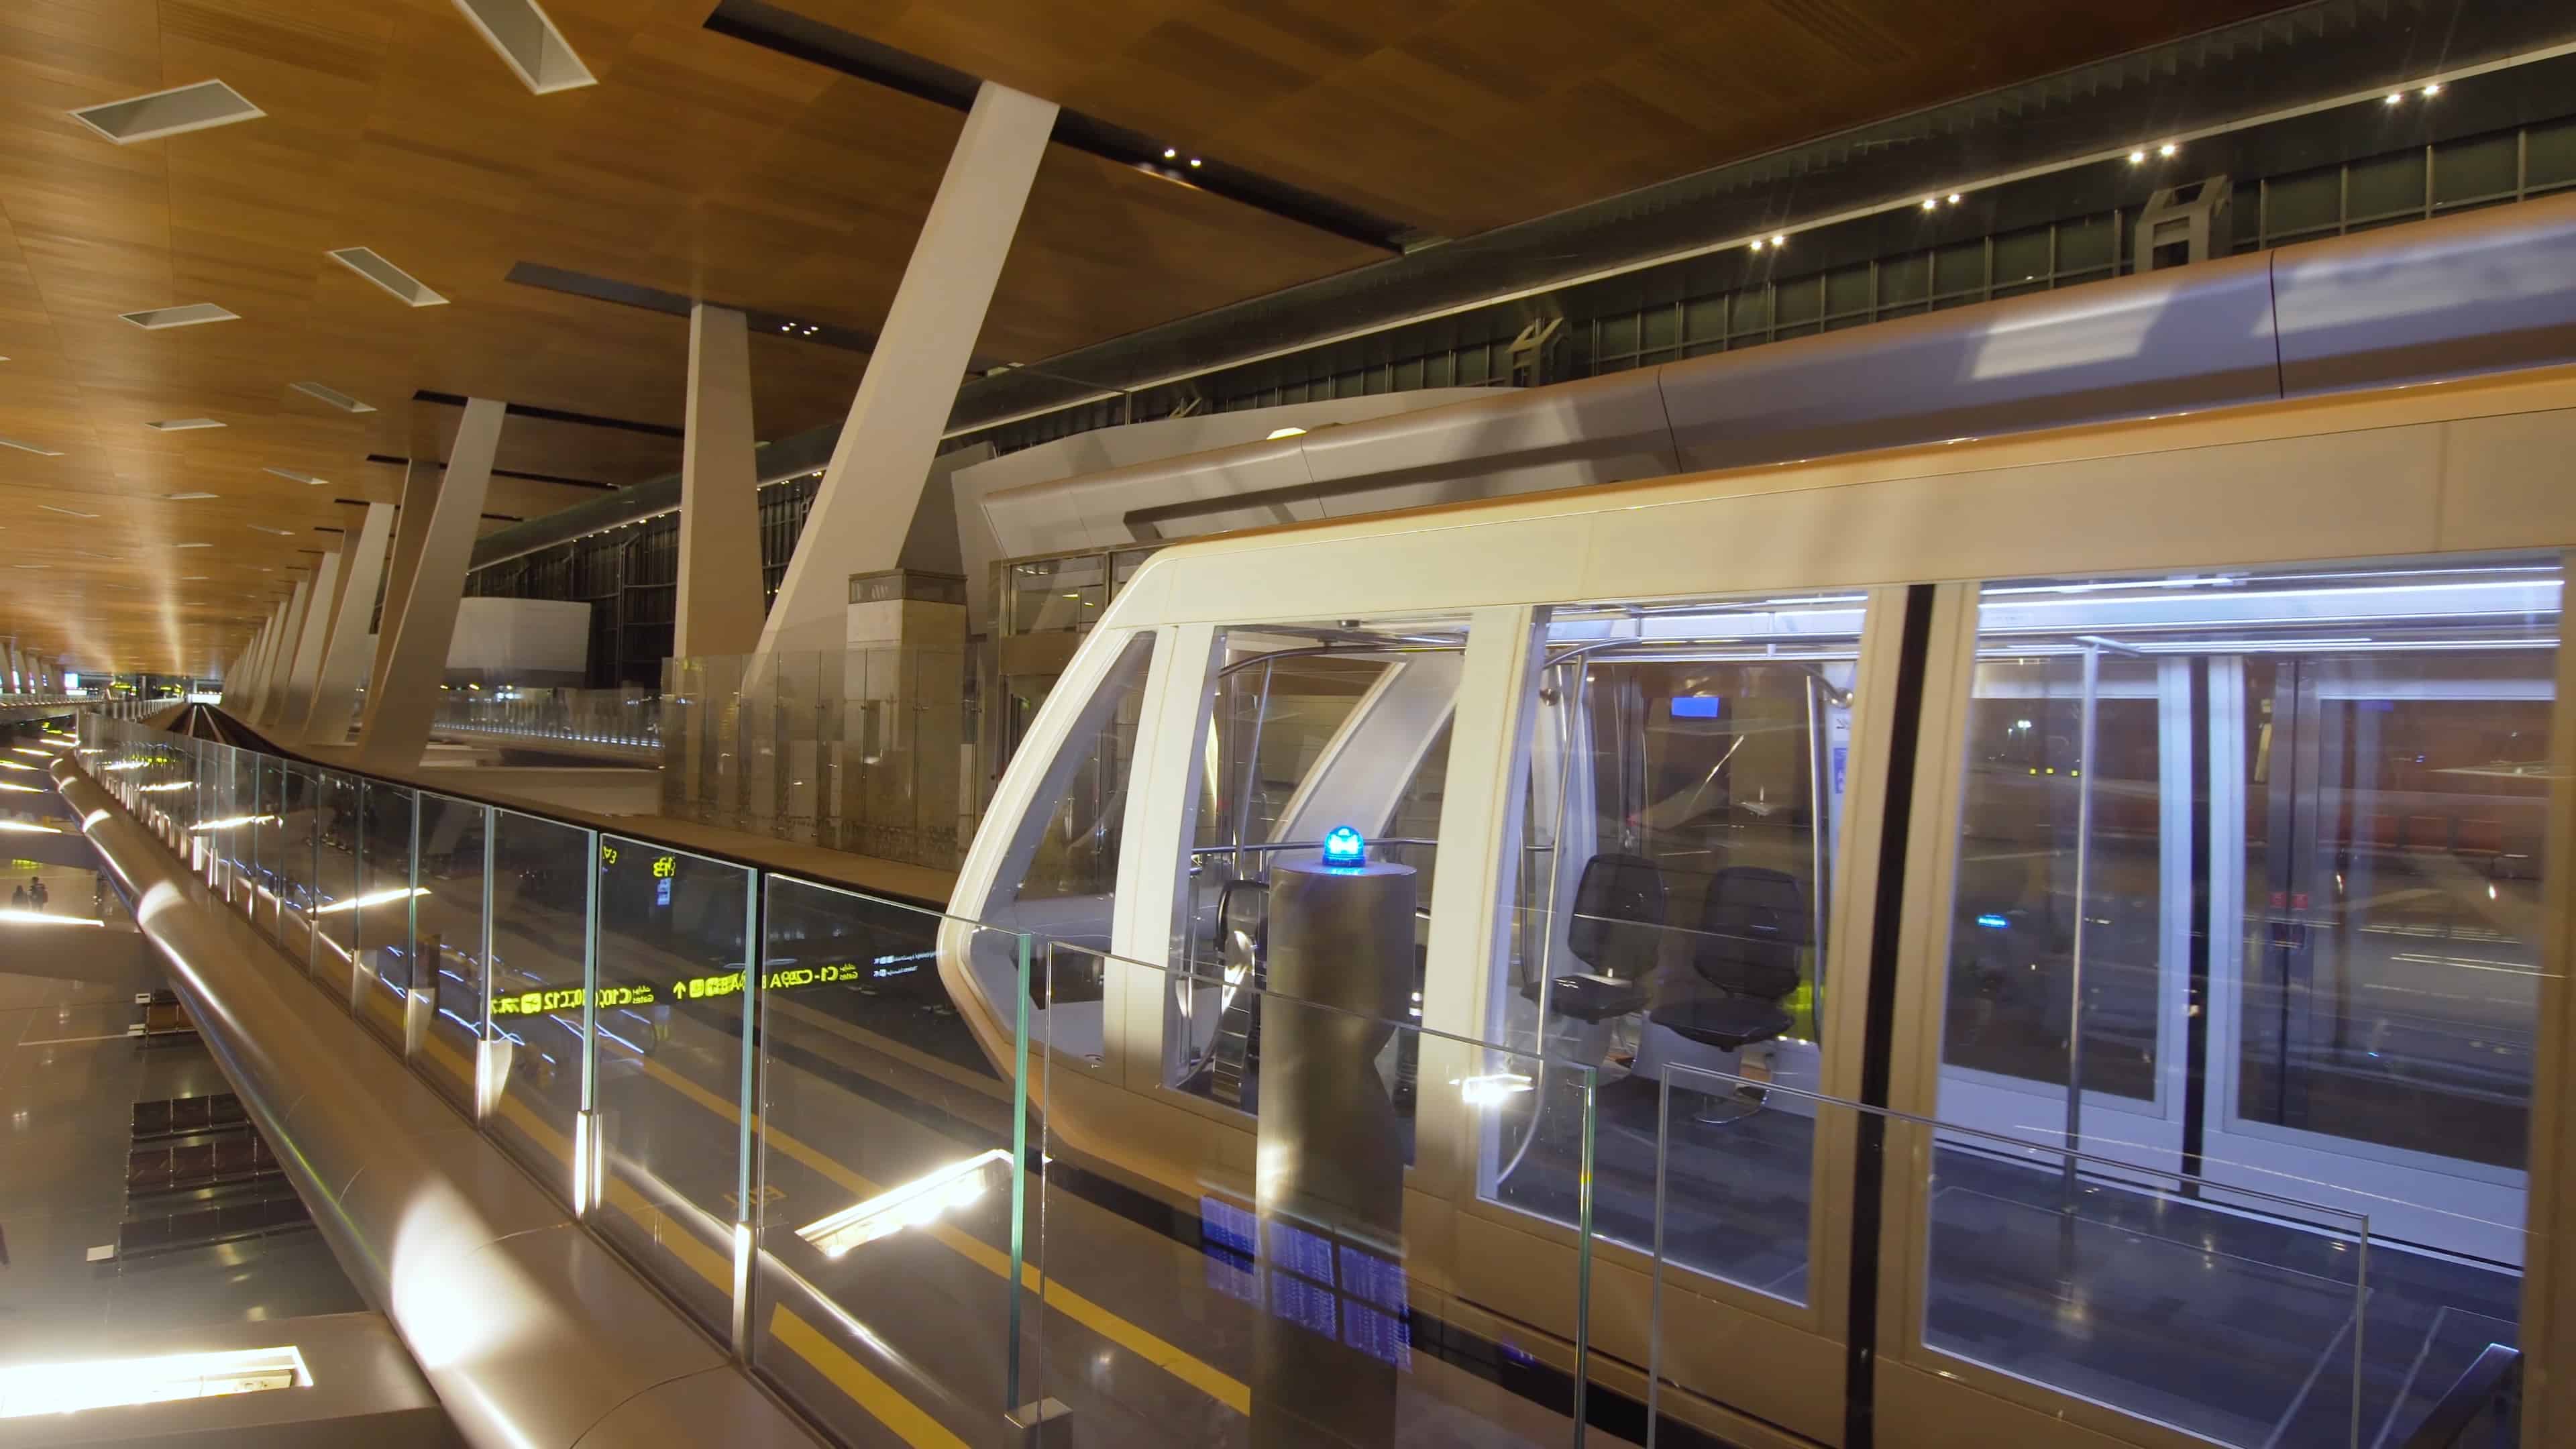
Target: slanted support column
(411,526)
(345,657)
(413,655)
(259,674)
(329,582)
(873,483)
(718,610)
(281,660)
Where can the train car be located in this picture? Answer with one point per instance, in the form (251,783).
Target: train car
(1789,838)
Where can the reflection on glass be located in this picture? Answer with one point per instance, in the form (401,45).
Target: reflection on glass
(2253,856)
(383,931)
(1682,799)
(448,973)
(540,885)
(673,1004)
(1311,729)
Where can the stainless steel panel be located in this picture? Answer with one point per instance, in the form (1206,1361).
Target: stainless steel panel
(2172,341)
(2480,292)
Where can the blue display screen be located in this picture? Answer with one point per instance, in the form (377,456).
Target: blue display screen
(1697,706)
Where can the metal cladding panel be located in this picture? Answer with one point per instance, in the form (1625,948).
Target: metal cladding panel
(2479,292)
(1614,426)
(2162,342)
(1095,511)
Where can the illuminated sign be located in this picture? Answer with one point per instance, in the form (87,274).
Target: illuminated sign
(607,854)
(664,867)
(701,988)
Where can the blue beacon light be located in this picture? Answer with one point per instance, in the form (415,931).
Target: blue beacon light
(1344,849)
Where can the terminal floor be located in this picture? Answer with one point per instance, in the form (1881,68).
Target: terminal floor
(69,1078)
(2236,1327)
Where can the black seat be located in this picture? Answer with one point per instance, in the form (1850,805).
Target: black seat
(1617,928)
(1751,927)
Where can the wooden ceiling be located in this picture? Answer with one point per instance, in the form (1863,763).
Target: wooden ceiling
(708,167)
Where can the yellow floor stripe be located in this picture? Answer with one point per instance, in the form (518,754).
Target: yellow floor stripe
(1197,1373)
(865,1389)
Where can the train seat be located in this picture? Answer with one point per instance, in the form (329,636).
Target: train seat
(1751,929)
(1617,929)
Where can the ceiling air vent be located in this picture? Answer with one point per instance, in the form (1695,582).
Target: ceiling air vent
(182,425)
(290,473)
(280,532)
(189,316)
(29,448)
(530,43)
(167,113)
(385,274)
(333,396)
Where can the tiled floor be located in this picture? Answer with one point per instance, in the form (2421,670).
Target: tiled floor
(69,1078)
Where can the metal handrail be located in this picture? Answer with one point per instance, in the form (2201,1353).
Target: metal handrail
(2493,1382)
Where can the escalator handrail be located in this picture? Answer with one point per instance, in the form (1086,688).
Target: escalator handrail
(2496,1374)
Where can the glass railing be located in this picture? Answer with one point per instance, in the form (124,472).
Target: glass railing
(761,1091)
(624,720)
(866,750)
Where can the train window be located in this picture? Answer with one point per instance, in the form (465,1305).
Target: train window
(1068,845)
(2255,858)
(1682,795)
(1310,727)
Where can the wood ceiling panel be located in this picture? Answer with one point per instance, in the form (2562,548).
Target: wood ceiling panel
(705,166)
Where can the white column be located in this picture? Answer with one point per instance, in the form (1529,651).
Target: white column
(329,582)
(15,680)
(873,484)
(281,660)
(345,656)
(718,611)
(411,525)
(413,655)
(267,661)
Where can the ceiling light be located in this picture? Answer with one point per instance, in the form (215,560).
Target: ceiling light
(192,578)
(26,566)
(2396,98)
(29,448)
(1778,242)
(182,425)
(192,545)
(1171,153)
(1954,198)
(67,512)
(1757,244)
(293,476)
(2135,158)
(1194,163)
(280,532)
(1930,202)
(167,113)
(333,396)
(366,263)
(189,497)
(2434,89)
(194,314)
(2167,149)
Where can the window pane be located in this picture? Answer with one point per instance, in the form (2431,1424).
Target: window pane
(1681,797)
(1310,728)
(1070,851)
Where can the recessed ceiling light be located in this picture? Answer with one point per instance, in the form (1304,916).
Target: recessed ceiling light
(289,473)
(2167,149)
(2396,98)
(192,578)
(365,262)
(26,566)
(189,497)
(1930,202)
(1171,153)
(192,315)
(69,512)
(2434,89)
(2135,158)
(333,396)
(182,425)
(192,545)
(280,532)
(529,42)
(1195,163)
(168,113)
(29,448)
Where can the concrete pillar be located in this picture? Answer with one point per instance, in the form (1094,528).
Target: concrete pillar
(296,700)
(873,483)
(411,526)
(15,678)
(243,686)
(413,655)
(346,659)
(718,611)
(281,660)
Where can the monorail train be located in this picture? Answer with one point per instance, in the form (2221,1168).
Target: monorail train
(1789,838)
